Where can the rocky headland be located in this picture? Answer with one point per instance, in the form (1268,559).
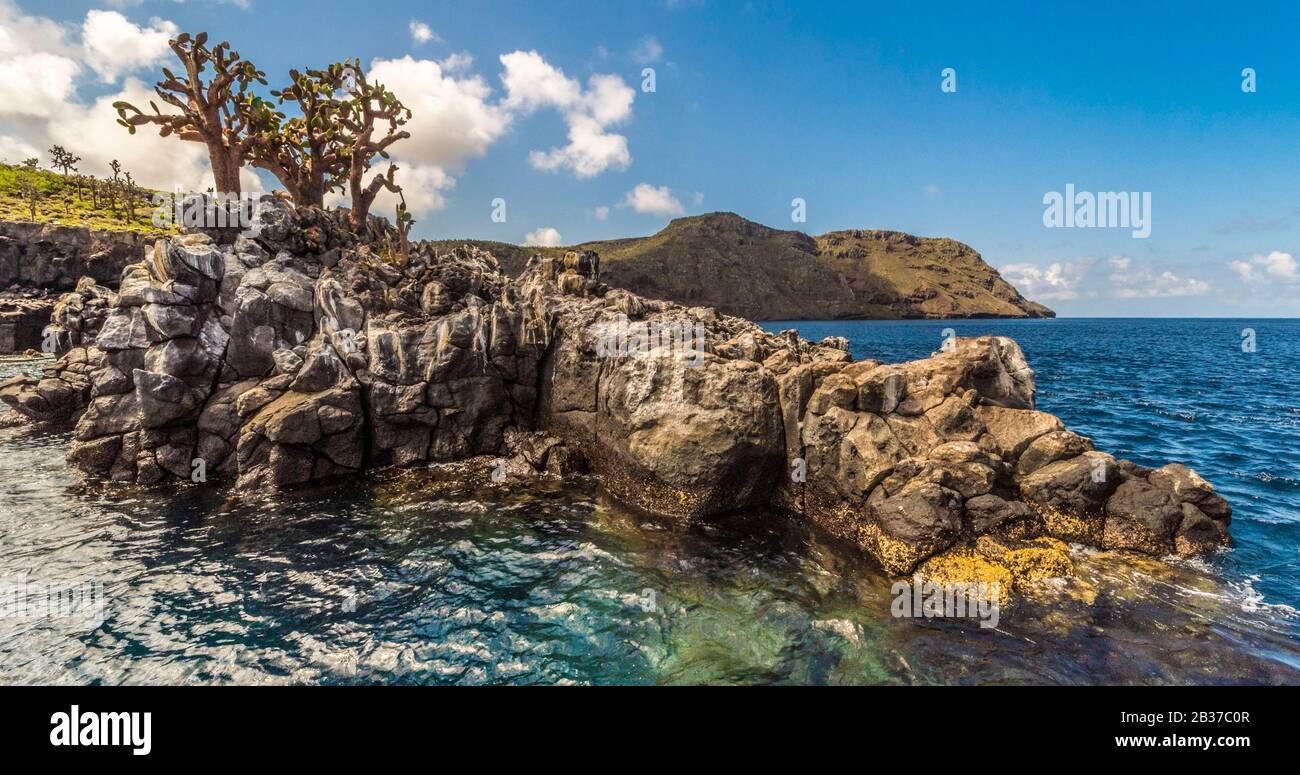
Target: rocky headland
(718,260)
(743,268)
(306,353)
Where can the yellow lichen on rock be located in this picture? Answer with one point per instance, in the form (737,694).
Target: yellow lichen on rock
(1029,562)
(897,556)
(1014,564)
(1086,529)
(964,565)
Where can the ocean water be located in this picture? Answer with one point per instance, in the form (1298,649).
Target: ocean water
(440,576)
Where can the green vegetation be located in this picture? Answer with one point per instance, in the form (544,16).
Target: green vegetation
(343,123)
(28,193)
(322,132)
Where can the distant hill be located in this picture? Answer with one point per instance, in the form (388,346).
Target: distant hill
(744,268)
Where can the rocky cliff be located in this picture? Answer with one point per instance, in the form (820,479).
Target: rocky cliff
(304,354)
(719,260)
(743,268)
(38,261)
(37,255)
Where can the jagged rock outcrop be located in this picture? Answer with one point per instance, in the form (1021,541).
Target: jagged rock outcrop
(79,315)
(305,353)
(34,319)
(38,255)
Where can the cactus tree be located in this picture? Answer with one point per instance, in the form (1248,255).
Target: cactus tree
(307,153)
(63,159)
(373,118)
(216,109)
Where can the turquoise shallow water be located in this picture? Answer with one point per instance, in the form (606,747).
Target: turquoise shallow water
(434,576)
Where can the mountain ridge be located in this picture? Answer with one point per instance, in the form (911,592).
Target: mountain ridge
(748,269)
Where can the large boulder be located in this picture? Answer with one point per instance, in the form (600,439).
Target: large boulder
(689,441)
(919,521)
(1171,509)
(1141,516)
(1071,494)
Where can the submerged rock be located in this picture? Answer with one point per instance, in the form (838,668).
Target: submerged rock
(303,354)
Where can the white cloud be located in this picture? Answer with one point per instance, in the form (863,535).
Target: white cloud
(156,162)
(455,63)
(647,51)
(601,212)
(38,64)
(650,200)
(697,198)
(590,151)
(532,83)
(22,34)
(1058,281)
(453,118)
(608,99)
(1067,280)
(545,237)
(1143,284)
(421,33)
(115,46)
(1278,265)
(424,187)
(931,190)
(15,149)
(36,84)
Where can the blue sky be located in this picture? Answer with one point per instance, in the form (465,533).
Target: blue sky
(839,104)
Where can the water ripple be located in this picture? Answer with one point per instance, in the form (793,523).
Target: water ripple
(424,577)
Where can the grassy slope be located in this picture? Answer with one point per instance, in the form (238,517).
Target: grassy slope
(60,204)
(725,261)
(922,276)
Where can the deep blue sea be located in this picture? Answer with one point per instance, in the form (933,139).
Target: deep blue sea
(426,576)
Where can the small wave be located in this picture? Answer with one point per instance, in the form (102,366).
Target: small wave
(1240,594)
(1252,600)
(1266,477)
